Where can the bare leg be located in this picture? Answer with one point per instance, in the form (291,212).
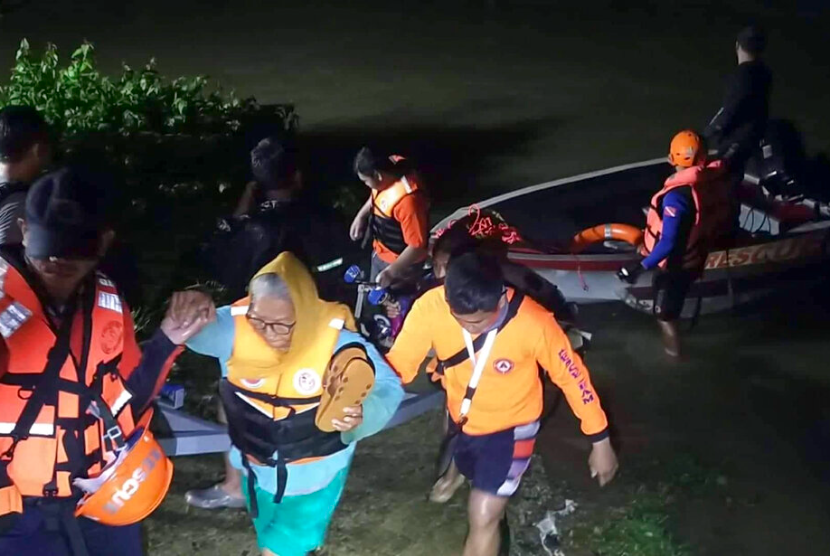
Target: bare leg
(485,514)
(671,338)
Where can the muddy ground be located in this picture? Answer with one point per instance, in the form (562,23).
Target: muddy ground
(732,442)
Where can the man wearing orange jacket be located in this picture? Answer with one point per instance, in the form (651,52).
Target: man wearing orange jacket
(490,340)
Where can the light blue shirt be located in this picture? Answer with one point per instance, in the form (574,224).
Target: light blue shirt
(216,340)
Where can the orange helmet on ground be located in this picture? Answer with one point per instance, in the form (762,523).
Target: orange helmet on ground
(686,149)
(137,485)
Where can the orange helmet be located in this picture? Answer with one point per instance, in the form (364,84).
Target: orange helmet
(686,149)
(137,485)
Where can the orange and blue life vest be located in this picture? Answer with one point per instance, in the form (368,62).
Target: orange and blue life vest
(709,187)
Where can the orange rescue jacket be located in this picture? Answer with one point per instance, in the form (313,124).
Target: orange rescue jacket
(710,192)
(64,441)
(510,391)
(386,230)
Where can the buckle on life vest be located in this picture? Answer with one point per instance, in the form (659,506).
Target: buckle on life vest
(114,434)
(10,452)
(50,491)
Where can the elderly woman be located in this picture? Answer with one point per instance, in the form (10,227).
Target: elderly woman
(275,348)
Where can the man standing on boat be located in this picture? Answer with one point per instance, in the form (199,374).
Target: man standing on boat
(689,214)
(739,125)
(491,340)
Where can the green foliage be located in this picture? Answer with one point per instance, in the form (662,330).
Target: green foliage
(177,151)
(78,99)
(638,529)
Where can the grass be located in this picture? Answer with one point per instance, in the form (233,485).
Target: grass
(642,524)
(638,529)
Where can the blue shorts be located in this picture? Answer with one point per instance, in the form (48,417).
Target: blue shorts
(495,462)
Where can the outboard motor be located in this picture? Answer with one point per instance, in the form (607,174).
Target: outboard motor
(779,161)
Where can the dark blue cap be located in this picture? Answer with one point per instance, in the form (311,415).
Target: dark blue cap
(65,215)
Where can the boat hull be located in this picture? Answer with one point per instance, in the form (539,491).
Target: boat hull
(761,262)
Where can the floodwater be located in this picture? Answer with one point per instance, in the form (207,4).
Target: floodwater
(492,96)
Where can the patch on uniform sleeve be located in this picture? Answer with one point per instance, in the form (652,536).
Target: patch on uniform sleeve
(503,366)
(13,318)
(671,212)
(110,301)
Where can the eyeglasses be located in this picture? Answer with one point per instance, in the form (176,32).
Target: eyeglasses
(279,328)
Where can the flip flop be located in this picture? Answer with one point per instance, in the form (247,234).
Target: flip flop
(444,489)
(347,382)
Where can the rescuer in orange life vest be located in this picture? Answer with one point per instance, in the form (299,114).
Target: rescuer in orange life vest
(690,214)
(78,468)
(491,340)
(396,217)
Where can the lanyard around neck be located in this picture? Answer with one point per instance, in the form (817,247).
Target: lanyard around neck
(478,368)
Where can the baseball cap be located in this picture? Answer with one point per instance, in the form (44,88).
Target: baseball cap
(66,212)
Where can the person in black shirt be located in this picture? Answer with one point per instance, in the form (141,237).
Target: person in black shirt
(739,125)
(275,214)
(25,151)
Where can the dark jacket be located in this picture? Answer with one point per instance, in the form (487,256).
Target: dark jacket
(741,121)
(316,234)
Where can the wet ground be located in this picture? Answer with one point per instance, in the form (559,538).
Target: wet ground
(490,99)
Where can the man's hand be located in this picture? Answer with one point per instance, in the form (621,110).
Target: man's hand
(353,418)
(630,271)
(393,309)
(187,313)
(386,277)
(603,462)
(358,227)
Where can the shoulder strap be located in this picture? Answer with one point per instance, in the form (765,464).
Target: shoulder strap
(46,386)
(478,343)
(13,255)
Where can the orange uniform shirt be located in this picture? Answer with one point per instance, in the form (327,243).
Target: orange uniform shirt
(413,214)
(510,392)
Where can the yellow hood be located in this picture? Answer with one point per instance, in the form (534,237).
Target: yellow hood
(256,366)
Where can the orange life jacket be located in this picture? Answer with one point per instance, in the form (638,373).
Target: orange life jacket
(64,440)
(385,228)
(709,186)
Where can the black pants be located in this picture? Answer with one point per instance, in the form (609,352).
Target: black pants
(45,528)
(670,290)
